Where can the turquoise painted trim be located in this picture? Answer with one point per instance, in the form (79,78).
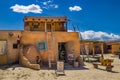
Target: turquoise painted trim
(41,45)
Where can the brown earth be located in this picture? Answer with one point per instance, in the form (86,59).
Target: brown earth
(87,72)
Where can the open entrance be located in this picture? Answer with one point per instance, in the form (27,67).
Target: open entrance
(49,27)
(62,52)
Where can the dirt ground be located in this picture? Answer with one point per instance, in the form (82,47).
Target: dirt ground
(86,72)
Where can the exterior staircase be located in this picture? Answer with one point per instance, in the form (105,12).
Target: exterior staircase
(25,62)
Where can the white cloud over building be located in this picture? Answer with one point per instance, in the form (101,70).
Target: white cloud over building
(26,9)
(103,36)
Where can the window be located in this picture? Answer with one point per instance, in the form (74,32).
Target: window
(109,47)
(15,46)
(35,26)
(96,46)
(41,46)
(3,47)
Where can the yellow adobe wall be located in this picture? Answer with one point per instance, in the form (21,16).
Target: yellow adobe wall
(3,59)
(115,48)
(28,37)
(34,37)
(12,54)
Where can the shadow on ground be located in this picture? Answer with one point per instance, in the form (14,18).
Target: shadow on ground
(108,71)
(13,66)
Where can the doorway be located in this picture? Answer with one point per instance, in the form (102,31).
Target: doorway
(62,52)
(49,27)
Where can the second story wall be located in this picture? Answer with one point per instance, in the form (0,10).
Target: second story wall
(45,23)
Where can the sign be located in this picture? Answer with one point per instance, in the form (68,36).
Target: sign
(60,66)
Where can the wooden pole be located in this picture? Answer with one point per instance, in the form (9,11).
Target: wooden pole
(102,49)
(87,50)
(66,27)
(93,49)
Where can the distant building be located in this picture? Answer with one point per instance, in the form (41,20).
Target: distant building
(99,47)
(92,47)
(112,47)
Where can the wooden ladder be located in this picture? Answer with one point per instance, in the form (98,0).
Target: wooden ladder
(54,46)
(48,42)
(47,45)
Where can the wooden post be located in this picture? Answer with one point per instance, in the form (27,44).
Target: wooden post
(45,27)
(102,49)
(87,50)
(66,26)
(93,49)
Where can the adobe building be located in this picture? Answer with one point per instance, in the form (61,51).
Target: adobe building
(99,47)
(92,47)
(46,37)
(112,47)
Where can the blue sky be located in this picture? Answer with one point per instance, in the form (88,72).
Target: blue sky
(97,18)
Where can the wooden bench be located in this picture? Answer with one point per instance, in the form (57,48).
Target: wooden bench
(108,67)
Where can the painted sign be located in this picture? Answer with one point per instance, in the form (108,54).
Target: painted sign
(60,66)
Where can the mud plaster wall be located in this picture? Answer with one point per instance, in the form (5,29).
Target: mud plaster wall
(34,37)
(12,54)
(115,48)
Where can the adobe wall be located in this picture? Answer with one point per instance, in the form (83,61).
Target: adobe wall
(28,37)
(115,48)
(34,37)
(12,54)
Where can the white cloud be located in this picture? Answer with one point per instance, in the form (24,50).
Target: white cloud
(26,9)
(101,36)
(92,35)
(44,3)
(54,6)
(49,4)
(75,8)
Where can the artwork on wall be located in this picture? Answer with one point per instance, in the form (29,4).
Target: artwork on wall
(41,45)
